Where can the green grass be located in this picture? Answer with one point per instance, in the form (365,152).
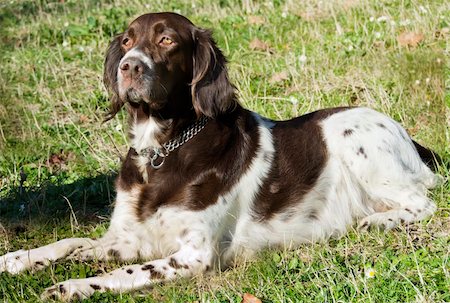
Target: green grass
(56,154)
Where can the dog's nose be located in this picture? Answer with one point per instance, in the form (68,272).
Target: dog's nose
(132,68)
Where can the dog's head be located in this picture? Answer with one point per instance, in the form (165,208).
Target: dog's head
(167,64)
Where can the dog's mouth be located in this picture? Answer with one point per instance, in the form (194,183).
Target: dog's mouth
(135,95)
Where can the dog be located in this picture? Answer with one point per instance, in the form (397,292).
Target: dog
(206,181)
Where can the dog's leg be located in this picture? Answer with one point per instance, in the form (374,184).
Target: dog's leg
(106,248)
(121,242)
(111,246)
(38,258)
(404,205)
(187,262)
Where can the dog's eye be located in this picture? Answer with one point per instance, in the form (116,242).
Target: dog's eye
(126,42)
(166,41)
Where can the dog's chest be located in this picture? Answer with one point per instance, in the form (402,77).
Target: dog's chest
(159,234)
(168,229)
(171,228)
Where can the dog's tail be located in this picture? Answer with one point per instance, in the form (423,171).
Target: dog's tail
(429,157)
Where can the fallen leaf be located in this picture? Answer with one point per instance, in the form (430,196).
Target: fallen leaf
(55,159)
(83,119)
(258,20)
(248,298)
(279,77)
(410,38)
(257,44)
(59,160)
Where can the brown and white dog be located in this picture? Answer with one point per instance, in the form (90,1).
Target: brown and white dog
(206,181)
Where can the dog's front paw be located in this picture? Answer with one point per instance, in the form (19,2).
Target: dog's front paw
(15,262)
(70,290)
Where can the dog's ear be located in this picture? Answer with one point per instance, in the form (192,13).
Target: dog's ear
(212,92)
(113,56)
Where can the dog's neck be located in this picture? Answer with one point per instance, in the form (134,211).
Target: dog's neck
(153,129)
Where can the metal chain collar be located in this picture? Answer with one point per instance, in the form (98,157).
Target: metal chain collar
(157,155)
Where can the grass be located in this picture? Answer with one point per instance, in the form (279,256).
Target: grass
(56,155)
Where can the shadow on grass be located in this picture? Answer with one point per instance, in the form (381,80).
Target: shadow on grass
(87,200)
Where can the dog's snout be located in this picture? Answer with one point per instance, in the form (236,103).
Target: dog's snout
(132,68)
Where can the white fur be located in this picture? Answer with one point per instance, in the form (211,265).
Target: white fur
(144,136)
(373,175)
(391,173)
